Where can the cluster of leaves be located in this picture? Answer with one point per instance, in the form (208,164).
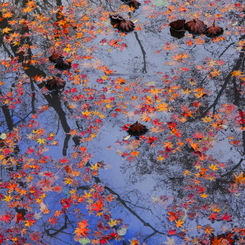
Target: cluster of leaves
(38,190)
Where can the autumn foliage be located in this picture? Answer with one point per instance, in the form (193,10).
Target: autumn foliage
(78,80)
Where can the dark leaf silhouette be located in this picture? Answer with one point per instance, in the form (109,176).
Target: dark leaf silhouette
(195,27)
(55,57)
(121,24)
(63,64)
(177,28)
(55,83)
(177,34)
(132,3)
(214,31)
(177,25)
(20,214)
(137,129)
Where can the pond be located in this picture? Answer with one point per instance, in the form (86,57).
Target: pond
(116,128)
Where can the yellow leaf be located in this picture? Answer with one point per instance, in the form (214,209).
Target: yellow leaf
(86,113)
(187,91)
(29,223)
(7,198)
(212,63)
(207,119)
(214,73)
(87,195)
(68,181)
(6,30)
(208,230)
(41,140)
(203,195)
(112,222)
(213,167)
(160,158)
(162,107)
(179,223)
(155,91)
(236,73)
(187,172)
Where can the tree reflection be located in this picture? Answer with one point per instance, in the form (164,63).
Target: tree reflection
(184,177)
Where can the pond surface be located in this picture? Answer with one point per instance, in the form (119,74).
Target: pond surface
(70,173)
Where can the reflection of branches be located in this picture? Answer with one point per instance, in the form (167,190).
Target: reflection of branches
(219,181)
(54,101)
(143,52)
(226,49)
(7,116)
(133,212)
(231,171)
(97,180)
(227,80)
(139,206)
(52,98)
(63,227)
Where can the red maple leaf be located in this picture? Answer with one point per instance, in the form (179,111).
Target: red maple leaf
(226,217)
(53,220)
(98,206)
(213,216)
(6,218)
(103,241)
(171,232)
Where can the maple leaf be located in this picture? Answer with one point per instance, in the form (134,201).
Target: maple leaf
(41,140)
(216,241)
(198,135)
(226,217)
(53,220)
(160,158)
(7,198)
(171,232)
(37,215)
(214,73)
(112,222)
(172,216)
(239,179)
(180,57)
(236,73)
(170,241)
(98,206)
(179,223)
(207,119)
(6,30)
(214,216)
(82,229)
(6,218)
(208,229)
(162,107)
(29,222)
(213,167)
(135,153)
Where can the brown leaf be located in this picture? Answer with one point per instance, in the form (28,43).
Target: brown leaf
(195,26)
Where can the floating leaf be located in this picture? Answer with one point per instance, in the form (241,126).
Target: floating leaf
(127,137)
(84,240)
(122,230)
(3,136)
